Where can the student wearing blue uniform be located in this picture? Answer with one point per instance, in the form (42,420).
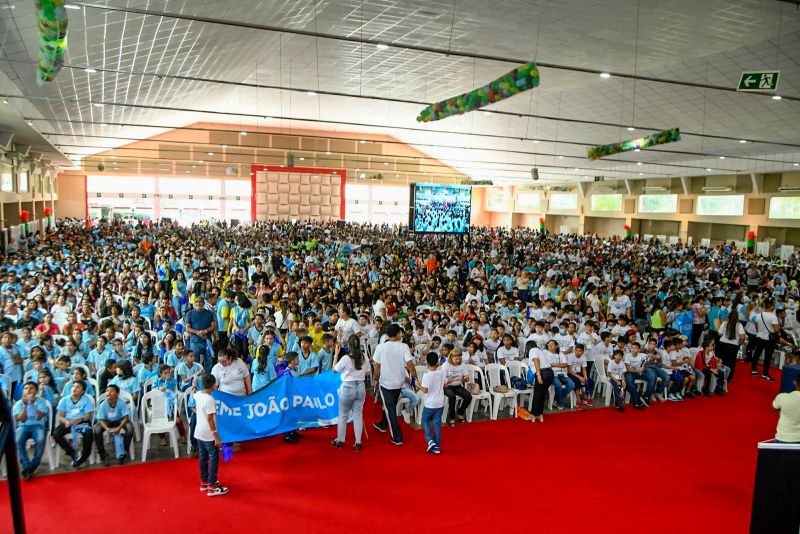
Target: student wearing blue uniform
(325,354)
(30,413)
(186,370)
(309,361)
(263,366)
(11,362)
(126,380)
(78,375)
(113,416)
(75,413)
(223,313)
(175,356)
(100,355)
(148,370)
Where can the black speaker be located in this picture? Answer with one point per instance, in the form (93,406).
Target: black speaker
(234,222)
(339,224)
(166,219)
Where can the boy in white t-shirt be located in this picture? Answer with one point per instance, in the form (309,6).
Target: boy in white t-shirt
(205,432)
(433,386)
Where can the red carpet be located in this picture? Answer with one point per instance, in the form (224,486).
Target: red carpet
(678,467)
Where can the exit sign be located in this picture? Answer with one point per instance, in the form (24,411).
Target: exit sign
(759,81)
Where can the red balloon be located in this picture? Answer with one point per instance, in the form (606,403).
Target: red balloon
(576,282)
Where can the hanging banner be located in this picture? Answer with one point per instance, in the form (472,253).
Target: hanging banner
(285,404)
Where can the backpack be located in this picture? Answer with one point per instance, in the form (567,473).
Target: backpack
(519,383)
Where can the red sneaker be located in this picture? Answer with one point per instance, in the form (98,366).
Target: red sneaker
(588,402)
(580,406)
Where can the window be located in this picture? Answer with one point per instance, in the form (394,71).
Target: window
(563,201)
(527,201)
(606,203)
(720,205)
(658,203)
(238,188)
(784,208)
(189,186)
(496,199)
(24,181)
(8,179)
(120,184)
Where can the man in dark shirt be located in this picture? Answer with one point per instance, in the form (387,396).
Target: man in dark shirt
(259,275)
(27,320)
(200,325)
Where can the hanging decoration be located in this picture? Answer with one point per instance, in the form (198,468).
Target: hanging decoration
(658,138)
(24,218)
(628,231)
(511,83)
(51,17)
(48,213)
(751,241)
(541,224)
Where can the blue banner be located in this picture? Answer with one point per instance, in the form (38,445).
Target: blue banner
(287,403)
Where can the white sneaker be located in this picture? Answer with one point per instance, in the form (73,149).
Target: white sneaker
(407,417)
(217,490)
(431,445)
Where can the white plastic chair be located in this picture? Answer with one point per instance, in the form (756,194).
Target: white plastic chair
(520,369)
(127,400)
(493,372)
(475,372)
(602,384)
(158,420)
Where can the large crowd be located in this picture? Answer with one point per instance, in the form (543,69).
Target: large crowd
(98,316)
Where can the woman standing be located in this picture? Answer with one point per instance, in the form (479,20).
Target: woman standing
(731,338)
(232,374)
(699,312)
(240,325)
(353,368)
(180,296)
(544,376)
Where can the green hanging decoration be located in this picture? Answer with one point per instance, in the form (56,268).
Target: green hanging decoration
(628,231)
(751,242)
(541,224)
(511,83)
(658,138)
(51,18)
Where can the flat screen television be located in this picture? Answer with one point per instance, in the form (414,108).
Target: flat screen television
(440,208)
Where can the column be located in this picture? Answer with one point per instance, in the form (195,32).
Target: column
(157,200)
(683,232)
(222,202)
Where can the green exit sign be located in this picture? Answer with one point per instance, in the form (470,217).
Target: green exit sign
(759,81)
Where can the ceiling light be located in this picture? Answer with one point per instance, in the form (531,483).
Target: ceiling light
(717,188)
(397,176)
(210,153)
(743,141)
(560,157)
(722,157)
(30,123)
(605,75)
(362,141)
(311,93)
(200,161)
(328,153)
(641,174)
(639,163)
(98,105)
(302,159)
(385,162)
(103,125)
(485,113)
(89,70)
(776,97)
(631,128)
(576,169)
(72,6)
(796,164)
(224,146)
(242,133)
(194,166)
(5,101)
(708,170)
(113,157)
(185,171)
(382,46)
(535,141)
(11,6)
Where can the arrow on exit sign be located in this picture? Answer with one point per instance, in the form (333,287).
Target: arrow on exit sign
(759,81)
